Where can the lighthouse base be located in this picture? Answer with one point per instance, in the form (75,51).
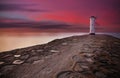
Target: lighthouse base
(92,33)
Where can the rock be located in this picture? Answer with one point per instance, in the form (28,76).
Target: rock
(6,56)
(24,57)
(64,43)
(77,58)
(18,62)
(64,74)
(75,39)
(113,71)
(69,74)
(117,43)
(47,57)
(38,61)
(18,52)
(89,60)
(40,50)
(100,75)
(87,50)
(115,55)
(103,60)
(9,60)
(48,71)
(54,51)
(78,68)
(84,67)
(88,55)
(17,56)
(1,62)
(33,53)
(7,69)
(32,50)
(0,74)
(30,60)
(105,70)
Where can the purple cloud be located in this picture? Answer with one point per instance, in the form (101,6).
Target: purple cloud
(19,7)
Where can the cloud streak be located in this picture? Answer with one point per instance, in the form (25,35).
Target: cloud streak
(36,25)
(45,26)
(69,11)
(19,7)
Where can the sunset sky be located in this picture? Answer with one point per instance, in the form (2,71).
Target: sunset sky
(58,15)
(25,23)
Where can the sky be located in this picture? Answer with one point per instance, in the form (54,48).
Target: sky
(30,22)
(58,15)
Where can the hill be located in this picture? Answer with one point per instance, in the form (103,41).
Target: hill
(87,56)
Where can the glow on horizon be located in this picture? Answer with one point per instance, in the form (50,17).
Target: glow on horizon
(14,42)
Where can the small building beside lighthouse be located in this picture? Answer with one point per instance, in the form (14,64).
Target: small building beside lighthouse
(92,25)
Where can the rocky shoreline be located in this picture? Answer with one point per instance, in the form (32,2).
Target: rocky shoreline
(73,57)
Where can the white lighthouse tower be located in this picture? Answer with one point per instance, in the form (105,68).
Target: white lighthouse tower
(92,25)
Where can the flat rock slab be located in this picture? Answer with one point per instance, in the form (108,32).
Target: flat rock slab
(54,51)
(1,62)
(18,62)
(17,55)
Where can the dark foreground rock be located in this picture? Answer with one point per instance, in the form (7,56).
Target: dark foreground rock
(88,56)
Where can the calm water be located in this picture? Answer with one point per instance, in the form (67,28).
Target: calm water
(9,42)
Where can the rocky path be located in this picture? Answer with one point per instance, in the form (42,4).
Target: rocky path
(74,57)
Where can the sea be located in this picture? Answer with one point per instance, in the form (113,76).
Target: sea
(17,40)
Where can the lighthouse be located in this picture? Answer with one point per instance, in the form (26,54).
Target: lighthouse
(92,25)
